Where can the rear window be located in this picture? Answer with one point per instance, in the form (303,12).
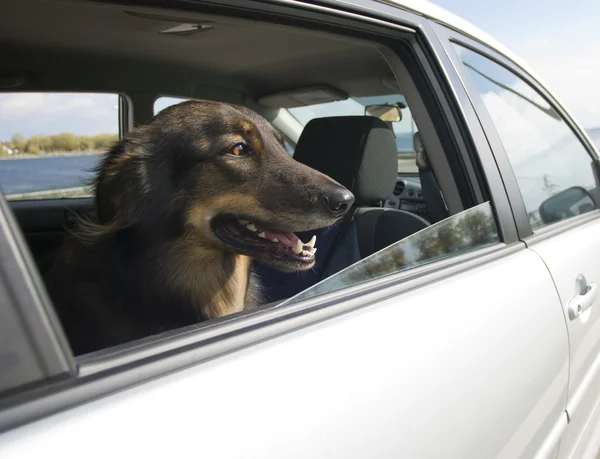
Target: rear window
(51,142)
(163,102)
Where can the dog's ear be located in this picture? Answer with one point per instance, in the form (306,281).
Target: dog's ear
(122,185)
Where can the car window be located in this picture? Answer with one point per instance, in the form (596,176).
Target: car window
(404,130)
(595,136)
(469,230)
(163,102)
(51,142)
(553,169)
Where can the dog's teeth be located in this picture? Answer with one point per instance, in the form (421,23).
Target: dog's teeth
(312,242)
(274,240)
(251,227)
(244,222)
(298,247)
(262,235)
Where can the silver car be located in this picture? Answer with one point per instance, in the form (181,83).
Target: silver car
(457,316)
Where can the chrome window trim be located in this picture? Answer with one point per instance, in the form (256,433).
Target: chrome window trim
(560,227)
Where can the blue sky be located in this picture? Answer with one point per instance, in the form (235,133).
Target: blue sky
(560,41)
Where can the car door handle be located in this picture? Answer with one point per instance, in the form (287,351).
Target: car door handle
(584,299)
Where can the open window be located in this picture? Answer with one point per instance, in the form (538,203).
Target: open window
(51,143)
(360,108)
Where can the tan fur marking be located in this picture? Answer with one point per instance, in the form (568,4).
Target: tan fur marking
(230,297)
(204,144)
(246,126)
(201,273)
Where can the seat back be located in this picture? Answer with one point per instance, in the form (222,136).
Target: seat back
(432,195)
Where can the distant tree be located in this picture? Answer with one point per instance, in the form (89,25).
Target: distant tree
(65,142)
(86,143)
(105,141)
(18,142)
(43,142)
(33,148)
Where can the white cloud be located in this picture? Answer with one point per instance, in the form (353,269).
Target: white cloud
(52,113)
(20,105)
(573,74)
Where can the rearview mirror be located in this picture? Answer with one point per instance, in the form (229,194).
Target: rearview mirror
(568,203)
(387,113)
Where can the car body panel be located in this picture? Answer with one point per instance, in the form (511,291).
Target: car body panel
(567,255)
(459,368)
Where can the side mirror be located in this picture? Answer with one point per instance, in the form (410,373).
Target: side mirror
(568,203)
(387,113)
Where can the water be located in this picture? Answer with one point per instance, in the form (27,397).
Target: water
(26,175)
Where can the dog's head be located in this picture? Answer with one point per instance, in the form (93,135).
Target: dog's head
(218,175)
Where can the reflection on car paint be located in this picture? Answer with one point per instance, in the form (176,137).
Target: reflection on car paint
(470,230)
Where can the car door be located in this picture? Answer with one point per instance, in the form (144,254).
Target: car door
(441,360)
(551,169)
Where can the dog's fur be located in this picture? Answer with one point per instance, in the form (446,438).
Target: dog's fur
(151,260)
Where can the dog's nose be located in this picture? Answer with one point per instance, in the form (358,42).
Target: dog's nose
(338,201)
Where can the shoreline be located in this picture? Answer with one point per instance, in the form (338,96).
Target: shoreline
(53,154)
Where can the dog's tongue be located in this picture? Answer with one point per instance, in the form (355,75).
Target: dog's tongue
(293,242)
(288,239)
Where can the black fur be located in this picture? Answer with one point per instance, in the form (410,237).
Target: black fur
(150,260)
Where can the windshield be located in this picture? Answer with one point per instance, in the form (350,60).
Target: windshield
(403,130)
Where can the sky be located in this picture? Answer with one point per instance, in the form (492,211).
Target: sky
(559,40)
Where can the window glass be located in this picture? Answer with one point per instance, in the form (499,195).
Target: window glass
(163,102)
(547,158)
(404,129)
(469,230)
(50,143)
(595,136)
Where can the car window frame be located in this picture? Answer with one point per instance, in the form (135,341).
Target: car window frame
(449,38)
(106,371)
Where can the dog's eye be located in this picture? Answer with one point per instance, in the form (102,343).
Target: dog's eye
(240,149)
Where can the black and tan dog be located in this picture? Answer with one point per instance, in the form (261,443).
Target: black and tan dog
(183,204)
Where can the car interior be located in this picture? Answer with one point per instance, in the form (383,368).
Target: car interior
(144,53)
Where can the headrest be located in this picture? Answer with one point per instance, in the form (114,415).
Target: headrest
(357,151)
(422,160)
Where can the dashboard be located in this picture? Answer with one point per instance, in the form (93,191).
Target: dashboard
(408,196)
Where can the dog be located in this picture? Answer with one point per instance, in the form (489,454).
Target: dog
(184,205)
